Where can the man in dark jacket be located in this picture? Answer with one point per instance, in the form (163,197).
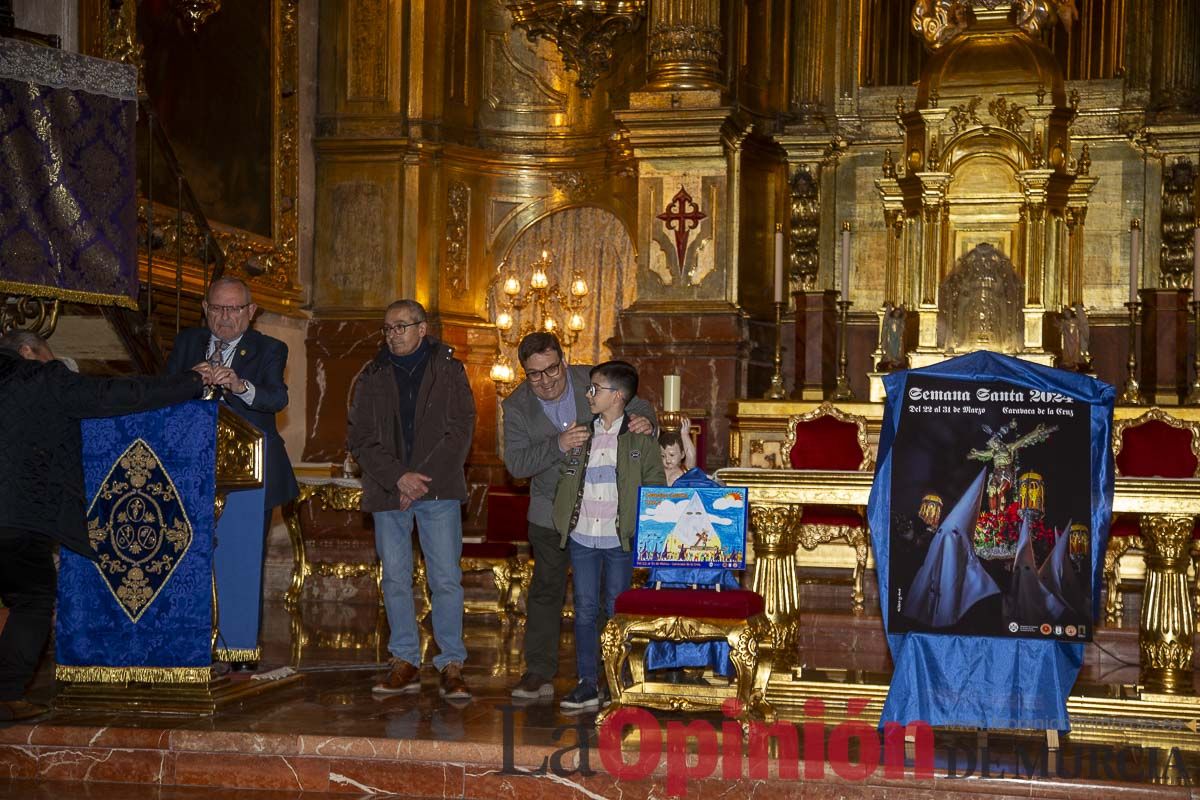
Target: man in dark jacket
(249,370)
(41,486)
(410,428)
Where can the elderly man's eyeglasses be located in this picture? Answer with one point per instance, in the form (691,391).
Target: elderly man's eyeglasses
(548,374)
(399,327)
(595,387)
(213,308)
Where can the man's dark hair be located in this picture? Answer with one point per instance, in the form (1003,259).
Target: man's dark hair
(15,339)
(537,342)
(622,375)
(667,438)
(411,306)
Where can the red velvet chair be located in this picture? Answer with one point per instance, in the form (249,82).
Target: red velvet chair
(735,616)
(1152,445)
(827,438)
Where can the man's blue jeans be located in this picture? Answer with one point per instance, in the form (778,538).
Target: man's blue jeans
(439,528)
(599,575)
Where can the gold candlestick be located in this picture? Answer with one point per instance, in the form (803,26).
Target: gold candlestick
(776,392)
(1193,398)
(1132,394)
(842,390)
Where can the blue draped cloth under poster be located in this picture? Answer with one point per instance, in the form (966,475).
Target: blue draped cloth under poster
(68,212)
(989,681)
(143,609)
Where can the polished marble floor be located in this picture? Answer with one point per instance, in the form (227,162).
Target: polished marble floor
(328,734)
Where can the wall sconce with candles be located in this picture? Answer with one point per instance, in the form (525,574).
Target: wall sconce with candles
(518,312)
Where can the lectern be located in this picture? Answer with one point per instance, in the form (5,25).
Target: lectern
(137,626)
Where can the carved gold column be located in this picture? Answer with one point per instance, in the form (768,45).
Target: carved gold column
(1168,620)
(774,528)
(685,44)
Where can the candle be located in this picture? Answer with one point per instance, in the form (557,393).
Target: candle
(845,282)
(1196,263)
(1135,258)
(778,264)
(671,385)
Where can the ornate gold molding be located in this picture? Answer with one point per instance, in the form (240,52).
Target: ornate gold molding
(940,21)
(583,31)
(458,214)
(1156,414)
(805,258)
(28,313)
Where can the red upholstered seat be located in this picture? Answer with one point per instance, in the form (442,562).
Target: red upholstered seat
(507,510)
(826,442)
(726,604)
(1154,449)
(830,515)
(1155,445)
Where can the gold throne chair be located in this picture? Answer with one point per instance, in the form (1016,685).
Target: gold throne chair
(827,438)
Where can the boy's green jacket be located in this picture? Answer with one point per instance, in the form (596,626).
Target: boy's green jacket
(639,463)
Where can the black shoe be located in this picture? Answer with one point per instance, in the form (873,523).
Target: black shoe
(16,710)
(583,697)
(532,687)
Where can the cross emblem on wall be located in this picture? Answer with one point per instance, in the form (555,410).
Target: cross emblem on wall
(681,217)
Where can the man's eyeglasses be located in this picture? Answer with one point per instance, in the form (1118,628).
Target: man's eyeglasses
(399,327)
(548,374)
(595,387)
(212,308)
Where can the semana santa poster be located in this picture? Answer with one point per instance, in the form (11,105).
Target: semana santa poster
(991,503)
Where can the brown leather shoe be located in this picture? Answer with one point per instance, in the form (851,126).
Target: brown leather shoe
(14,710)
(453,686)
(404,678)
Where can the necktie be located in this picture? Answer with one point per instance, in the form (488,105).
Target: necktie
(217,359)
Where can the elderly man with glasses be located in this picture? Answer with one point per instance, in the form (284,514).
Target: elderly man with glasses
(410,428)
(546,418)
(248,368)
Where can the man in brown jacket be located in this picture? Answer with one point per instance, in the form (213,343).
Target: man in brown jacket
(410,429)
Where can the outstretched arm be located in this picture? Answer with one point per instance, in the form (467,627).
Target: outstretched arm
(689,447)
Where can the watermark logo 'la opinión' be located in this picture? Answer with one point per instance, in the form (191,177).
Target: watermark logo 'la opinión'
(853,749)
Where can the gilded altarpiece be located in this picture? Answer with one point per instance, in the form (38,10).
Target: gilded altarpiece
(233,123)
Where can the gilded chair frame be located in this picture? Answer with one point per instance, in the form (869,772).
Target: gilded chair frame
(812,535)
(623,645)
(1117,548)
(827,409)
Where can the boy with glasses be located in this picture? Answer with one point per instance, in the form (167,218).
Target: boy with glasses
(545,418)
(595,514)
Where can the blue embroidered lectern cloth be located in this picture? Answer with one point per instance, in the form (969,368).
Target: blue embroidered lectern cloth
(989,681)
(147,599)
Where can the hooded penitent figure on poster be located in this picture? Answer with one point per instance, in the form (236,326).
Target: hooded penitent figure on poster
(1059,577)
(951,580)
(1028,601)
